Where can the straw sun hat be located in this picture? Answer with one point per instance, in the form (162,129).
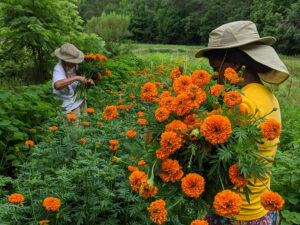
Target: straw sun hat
(244,35)
(69,53)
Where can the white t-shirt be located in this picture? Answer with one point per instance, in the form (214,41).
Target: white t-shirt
(68,94)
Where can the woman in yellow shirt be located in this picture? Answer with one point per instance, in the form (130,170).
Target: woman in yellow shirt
(235,45)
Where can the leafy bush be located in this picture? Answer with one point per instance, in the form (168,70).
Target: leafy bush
(21,110)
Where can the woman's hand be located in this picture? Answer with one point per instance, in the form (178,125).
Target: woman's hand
(91,82)
(81,79)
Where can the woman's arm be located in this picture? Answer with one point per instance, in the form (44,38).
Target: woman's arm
(65,82)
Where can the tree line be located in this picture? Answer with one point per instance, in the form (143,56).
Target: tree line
(189,22)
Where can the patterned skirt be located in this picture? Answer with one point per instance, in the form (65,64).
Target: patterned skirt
(271,218)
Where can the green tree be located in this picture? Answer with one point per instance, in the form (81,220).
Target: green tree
(112,28)
(38,27)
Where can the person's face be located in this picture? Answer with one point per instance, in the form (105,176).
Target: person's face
(219,67)
(70,65)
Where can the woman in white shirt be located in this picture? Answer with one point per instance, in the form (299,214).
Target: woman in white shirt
(65,79)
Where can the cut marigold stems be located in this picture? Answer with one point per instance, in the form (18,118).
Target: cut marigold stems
(227,203)
(158,213)
(272,201)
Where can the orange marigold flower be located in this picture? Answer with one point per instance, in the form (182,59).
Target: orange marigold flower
(141,162)
(192,121)
(84,123)
(110,112)
(178,127)
(170,141)
(170,171)
(108,73)
(82,141)
(181,84)
(147,190)
(199,222)
(271,129)
(149,92)
(136,179)
(167,103)
(200,78)
(165,94)
(114,142)
(44,222)
(162,153)
(132,72)
(227,203)
(231,75)
(216,129)
(182,104)
(161,114)
(99,123)
(29,143)
(272,201)
(16,198)
(158,213)
(98,144)
(216,90)
(99,76)
(132,96)
(51,203)
(32,130)
(175,73)
(200,98)
(90,110)
(216,112)
(232,98)
(142,121)
(193,185)
(53,128)
(132,168)
(235,176)
(71,117)
(131,133)
(122,107)
(140,114)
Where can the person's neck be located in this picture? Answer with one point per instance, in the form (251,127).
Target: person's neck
(250,77)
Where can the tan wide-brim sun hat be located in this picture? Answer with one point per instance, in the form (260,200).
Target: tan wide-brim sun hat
(69,53)
(244,35)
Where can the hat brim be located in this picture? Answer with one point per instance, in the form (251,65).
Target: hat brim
(79,59)
(265,40)
(267,56)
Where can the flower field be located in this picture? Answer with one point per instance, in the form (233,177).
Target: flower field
(162,143)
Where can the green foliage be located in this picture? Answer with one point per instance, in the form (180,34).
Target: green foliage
(37,27)
(111,27)
(21,110)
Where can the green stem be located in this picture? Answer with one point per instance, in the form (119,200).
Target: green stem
(170,207)
(264,184)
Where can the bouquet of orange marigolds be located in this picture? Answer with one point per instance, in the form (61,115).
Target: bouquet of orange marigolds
(203,156)
(93,67)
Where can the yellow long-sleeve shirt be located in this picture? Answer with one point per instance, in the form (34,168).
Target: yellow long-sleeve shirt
(260,97)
